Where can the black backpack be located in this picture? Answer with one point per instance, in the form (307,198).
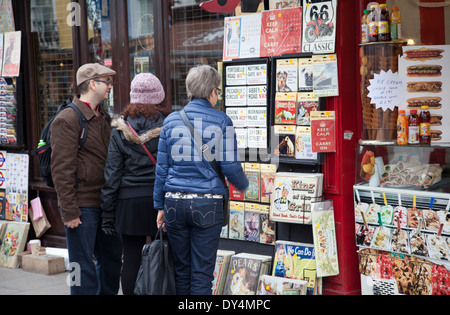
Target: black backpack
(44,152)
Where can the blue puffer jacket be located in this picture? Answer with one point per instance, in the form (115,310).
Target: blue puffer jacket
(180,167)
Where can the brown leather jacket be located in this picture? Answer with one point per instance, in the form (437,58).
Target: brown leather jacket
(78,174)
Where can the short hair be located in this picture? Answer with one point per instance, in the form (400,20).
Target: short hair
(201,81)
(83,88)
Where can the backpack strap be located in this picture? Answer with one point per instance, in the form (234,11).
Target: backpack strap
(83,125)
(143,145)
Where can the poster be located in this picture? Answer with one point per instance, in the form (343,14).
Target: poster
(319,26)
(281,32)
(11,57)
(323,134)
(16,207)
(325,76)
(425,72)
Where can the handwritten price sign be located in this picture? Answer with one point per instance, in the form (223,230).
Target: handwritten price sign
(386,90)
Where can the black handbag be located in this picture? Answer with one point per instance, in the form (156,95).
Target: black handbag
(207,151)
(156,275)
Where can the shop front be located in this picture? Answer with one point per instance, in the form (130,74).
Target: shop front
(303,137)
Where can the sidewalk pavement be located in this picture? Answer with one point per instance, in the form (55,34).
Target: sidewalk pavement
(20,282)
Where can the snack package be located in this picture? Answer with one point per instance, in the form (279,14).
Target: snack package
(386,214)
(361,206)
(372,213)
(431,220)
(364,235)
(414,215)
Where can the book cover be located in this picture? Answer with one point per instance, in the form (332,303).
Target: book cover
(305,74)
(253,173)
(236,223)
(257,74)
(287,75)
(306,103)
(285,108)
(257,95)
(220,270)
(270,285)
(323,134)
(303,145)
(243,275)
(281,32)
(292,196)
(251,222)
(295,261)
(285,141)
(267,181)
(267,227)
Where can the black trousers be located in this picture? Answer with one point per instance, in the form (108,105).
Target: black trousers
(132,255)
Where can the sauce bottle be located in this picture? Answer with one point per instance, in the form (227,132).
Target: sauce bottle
(424,133)
(402,128)
(373,24)
(365,27)
(396,24)
(383,24)
(413,127)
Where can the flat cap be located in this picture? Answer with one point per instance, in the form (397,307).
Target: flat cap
(92,71)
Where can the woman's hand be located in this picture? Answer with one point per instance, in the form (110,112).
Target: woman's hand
(160,220)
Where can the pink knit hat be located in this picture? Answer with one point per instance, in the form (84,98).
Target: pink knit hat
(146,89)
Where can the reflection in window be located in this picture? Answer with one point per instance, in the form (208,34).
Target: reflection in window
(99,35)
(141,37)
(54,57)
(196,37)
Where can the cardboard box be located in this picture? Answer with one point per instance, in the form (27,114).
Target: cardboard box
(43,264)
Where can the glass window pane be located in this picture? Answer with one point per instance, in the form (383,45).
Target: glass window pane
(99,35)
(196,37)
(141,39)
(54,57)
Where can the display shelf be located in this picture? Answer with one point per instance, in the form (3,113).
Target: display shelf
(418,168)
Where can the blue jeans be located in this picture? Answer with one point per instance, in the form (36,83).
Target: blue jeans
(193,228)
(86,243)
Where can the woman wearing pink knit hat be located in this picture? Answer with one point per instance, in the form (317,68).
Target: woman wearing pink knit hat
(127,197)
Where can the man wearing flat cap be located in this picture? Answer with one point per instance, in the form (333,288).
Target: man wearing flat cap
(78,178)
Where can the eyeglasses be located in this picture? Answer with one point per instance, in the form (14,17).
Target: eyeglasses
(108,82)
(218,91)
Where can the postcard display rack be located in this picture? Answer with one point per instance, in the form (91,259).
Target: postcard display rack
(282,218)
(402,219)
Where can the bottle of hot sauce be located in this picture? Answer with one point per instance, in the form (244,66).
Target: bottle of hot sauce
(425,133)
(413,127)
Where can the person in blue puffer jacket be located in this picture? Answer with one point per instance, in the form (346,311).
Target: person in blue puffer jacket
(188,192)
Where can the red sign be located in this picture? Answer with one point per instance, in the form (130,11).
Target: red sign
(281,32)
(323,134)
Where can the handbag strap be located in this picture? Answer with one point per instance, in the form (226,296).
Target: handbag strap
(203,147)
(143,145)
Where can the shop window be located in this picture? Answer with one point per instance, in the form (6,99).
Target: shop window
(196,37)
(54,56)
(141,39)
(99,38)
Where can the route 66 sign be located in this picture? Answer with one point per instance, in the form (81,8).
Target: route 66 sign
(319,26)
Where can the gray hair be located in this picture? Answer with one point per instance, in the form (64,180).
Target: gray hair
(201,81)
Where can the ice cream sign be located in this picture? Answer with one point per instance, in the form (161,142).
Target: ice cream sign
(386,90)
